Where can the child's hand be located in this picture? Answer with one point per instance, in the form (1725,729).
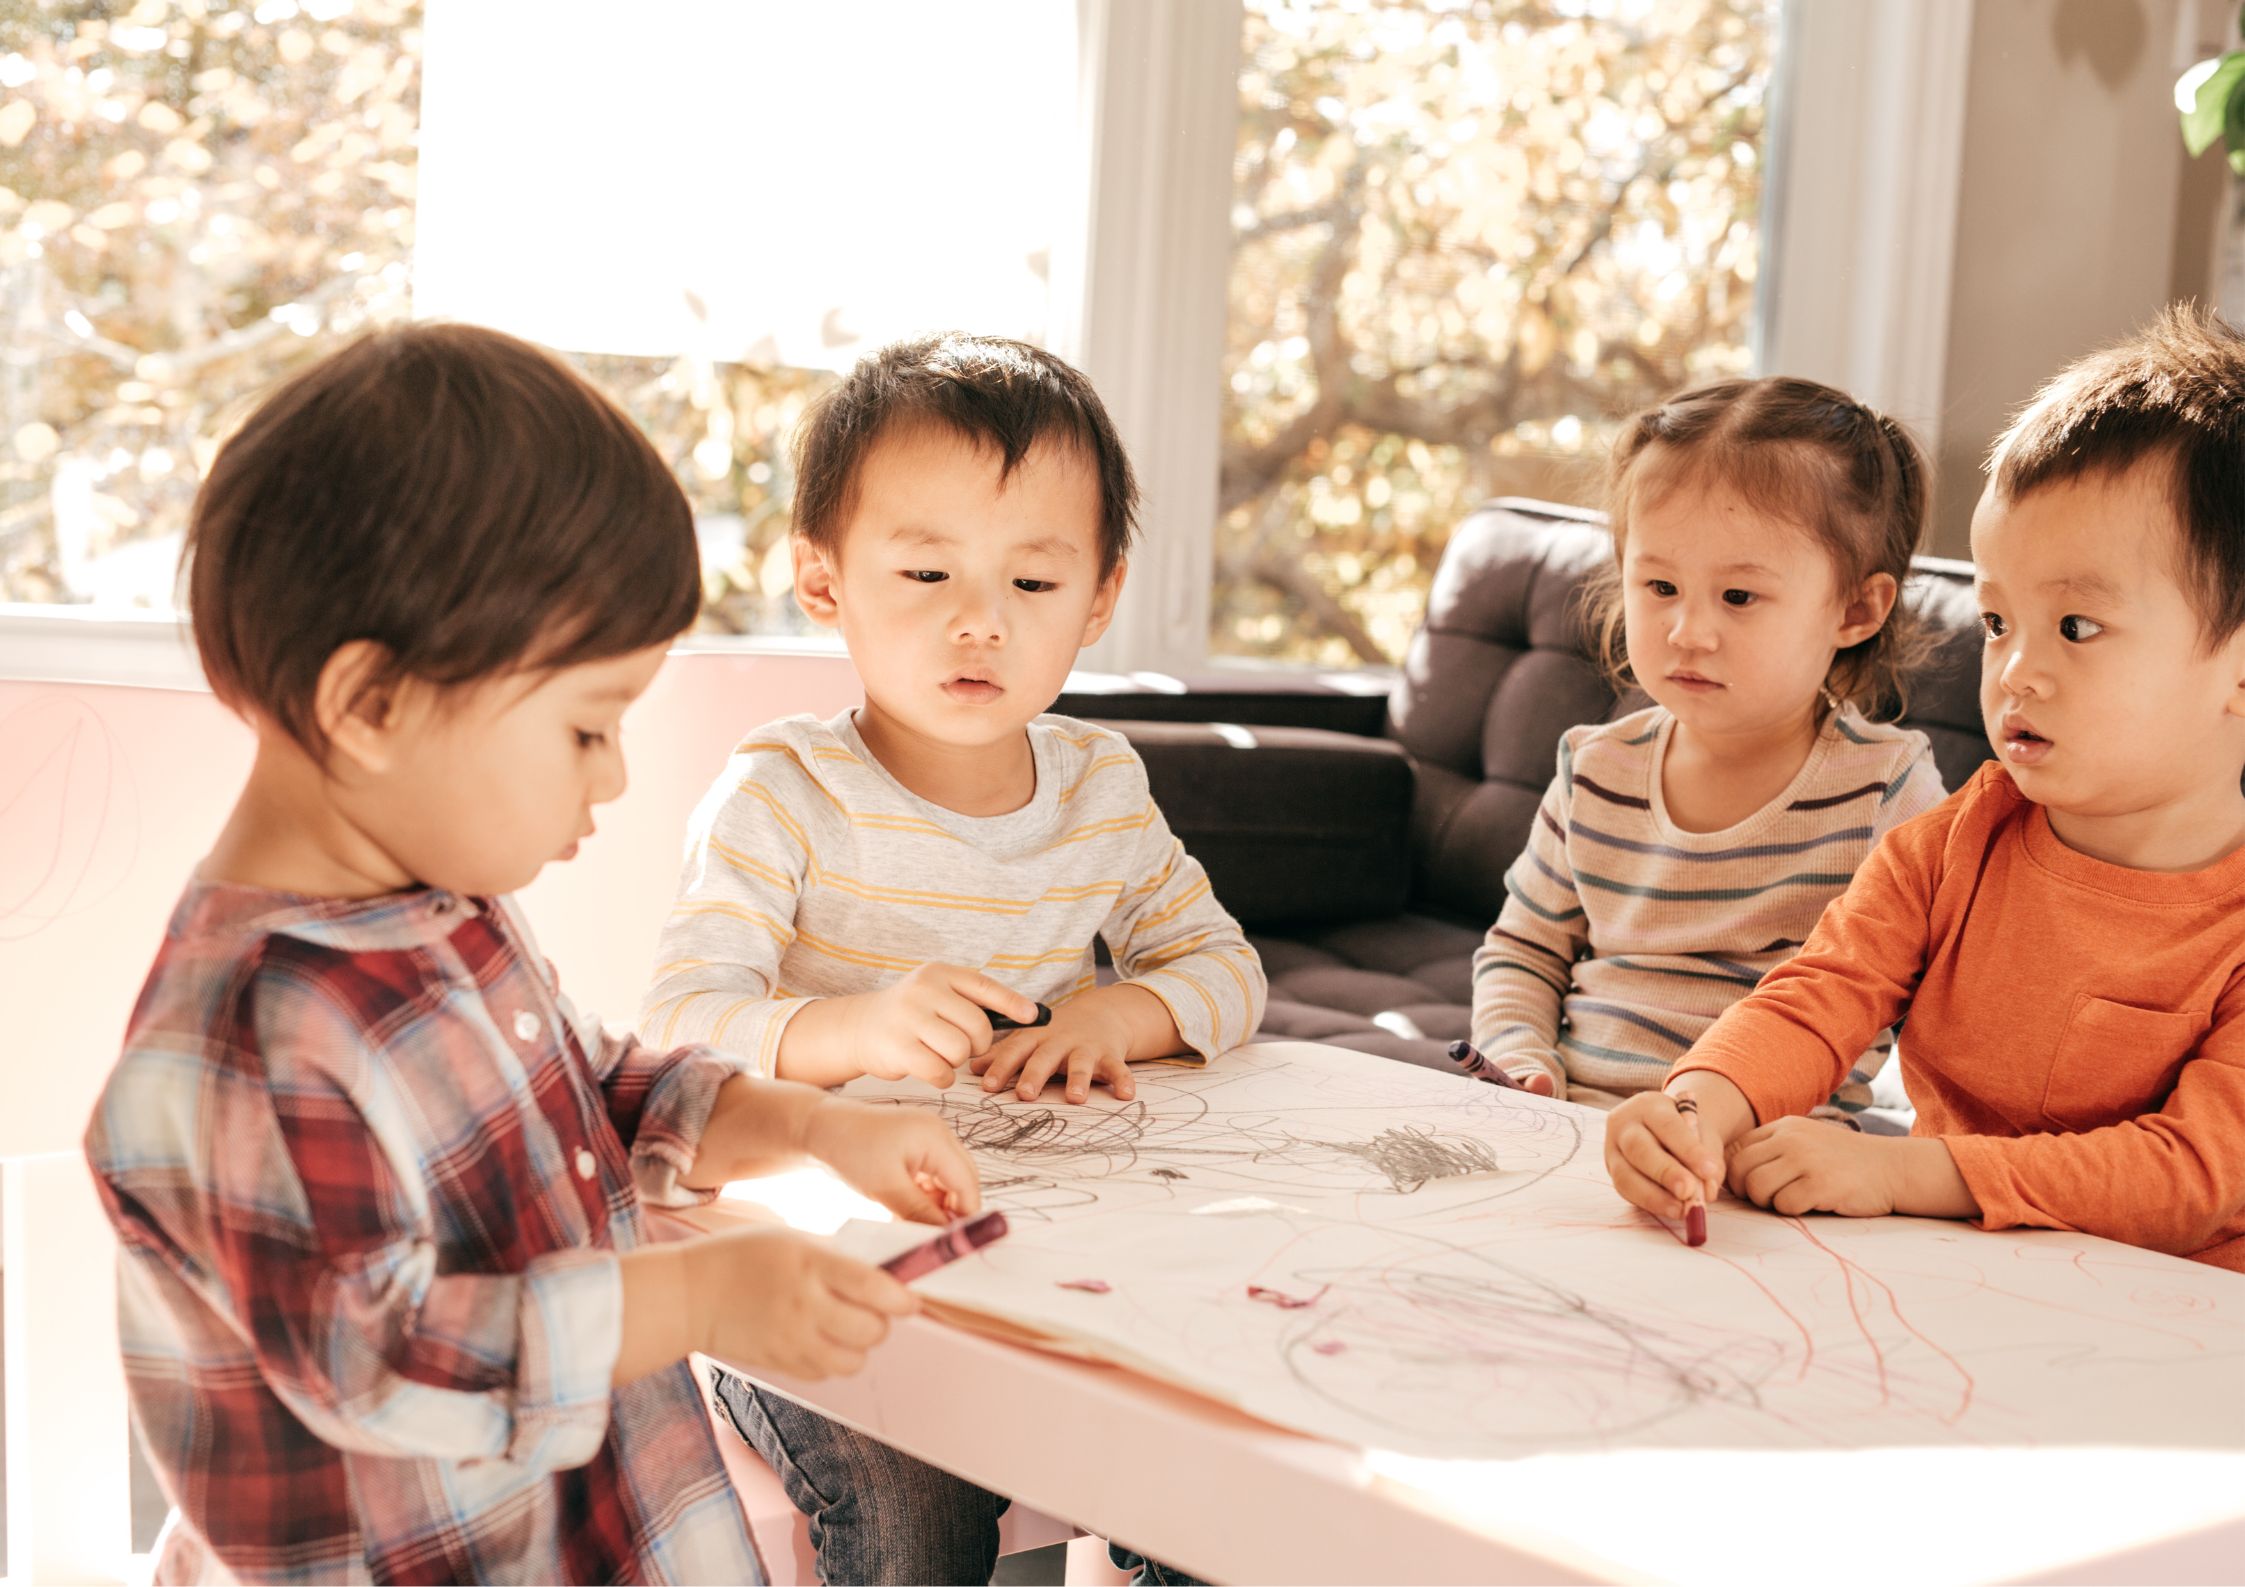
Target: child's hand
(779,1300)
(907,1160)
(1539,1074)
(1660,1155)
(928,1024)
(1089,1040)
(1809,1165)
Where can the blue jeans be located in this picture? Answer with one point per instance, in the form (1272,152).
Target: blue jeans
(1150,1573)
(877,1515)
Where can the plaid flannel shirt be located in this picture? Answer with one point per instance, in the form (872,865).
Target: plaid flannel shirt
(370,1174)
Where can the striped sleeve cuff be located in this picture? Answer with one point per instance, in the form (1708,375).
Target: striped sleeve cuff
(746,1027)
(1207,1003)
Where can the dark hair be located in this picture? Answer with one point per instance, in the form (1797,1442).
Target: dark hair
(2172,394)
(1801,452)
(1002,394)
(461,498)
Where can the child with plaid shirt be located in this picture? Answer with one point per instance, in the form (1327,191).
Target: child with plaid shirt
(390,1310)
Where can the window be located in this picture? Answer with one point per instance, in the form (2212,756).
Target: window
(709,207)
(1468,238)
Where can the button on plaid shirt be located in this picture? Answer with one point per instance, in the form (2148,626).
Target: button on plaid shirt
(370,1174)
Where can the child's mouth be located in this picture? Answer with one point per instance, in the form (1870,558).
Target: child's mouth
(2023,746)
(972,691)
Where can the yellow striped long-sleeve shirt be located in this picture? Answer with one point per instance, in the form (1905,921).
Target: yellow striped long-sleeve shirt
(811,872)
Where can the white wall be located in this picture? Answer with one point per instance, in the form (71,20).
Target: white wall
(109,795)
(2067,227)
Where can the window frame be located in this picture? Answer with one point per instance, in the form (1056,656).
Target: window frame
(1859,226)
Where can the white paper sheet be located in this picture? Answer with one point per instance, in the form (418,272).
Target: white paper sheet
(1475,1289)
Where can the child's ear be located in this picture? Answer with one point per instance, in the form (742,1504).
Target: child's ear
(1868,612)
(1103,604)
(354,712)
(2233,655)
(814,583)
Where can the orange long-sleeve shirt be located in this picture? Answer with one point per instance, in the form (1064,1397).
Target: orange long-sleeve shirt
(2076,1029)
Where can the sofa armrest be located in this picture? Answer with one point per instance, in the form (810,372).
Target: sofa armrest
(1294,825)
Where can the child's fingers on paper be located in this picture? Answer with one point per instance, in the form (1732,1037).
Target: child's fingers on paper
(1761,1180)
(946,1169)
(1116,1072)
(1537,1081)
(1002,1062)
(1749,1152)
(991,995)
(1082,1066)
(1006,1050)
(1040,1066)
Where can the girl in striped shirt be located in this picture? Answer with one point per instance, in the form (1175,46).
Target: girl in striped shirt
(1762,531)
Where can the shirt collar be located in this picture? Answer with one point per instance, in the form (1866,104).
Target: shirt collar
(417,917)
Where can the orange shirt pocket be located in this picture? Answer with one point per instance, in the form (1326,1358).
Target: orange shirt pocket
(2116,1061)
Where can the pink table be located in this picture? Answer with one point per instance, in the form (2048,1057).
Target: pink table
(1231,1498)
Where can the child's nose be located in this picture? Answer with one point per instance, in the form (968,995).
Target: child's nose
(1690,631)
(609,778)
(2019,673)
(979,621)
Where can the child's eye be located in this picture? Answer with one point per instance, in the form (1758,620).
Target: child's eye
(1660,587)
(1035,586)
(925,575)
(1991,625)
(2078,629)
(1739,597)
(587,740)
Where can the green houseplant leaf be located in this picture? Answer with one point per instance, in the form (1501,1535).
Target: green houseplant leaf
(2209,115)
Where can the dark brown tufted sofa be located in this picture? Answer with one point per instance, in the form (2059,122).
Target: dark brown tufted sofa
(1363,838)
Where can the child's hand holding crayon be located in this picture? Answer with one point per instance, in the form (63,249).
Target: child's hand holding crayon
(924,1026)
(1664,1149)
(783,1301)
(1089,1040)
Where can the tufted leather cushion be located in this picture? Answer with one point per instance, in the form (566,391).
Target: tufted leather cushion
(1499,670)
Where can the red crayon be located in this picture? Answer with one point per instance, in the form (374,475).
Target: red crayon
(968,1234)
(1695,1224)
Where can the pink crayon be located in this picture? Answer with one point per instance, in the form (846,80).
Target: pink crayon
(967,1235)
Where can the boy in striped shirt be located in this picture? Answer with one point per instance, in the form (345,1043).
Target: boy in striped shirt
(861,896)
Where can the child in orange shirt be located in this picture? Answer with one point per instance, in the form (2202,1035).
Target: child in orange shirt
(2067,932)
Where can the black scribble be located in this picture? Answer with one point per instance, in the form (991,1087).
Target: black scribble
(1137,1141)
(1410,1157)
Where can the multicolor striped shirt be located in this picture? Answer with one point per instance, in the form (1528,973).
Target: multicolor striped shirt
(370,1173)
(1623,936)
(811,872)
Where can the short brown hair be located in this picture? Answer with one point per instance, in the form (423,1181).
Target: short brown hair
(1002,394)
(461,498)
(2174,395)
(1802,452)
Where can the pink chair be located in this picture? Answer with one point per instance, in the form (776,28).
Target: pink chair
(782,1533)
